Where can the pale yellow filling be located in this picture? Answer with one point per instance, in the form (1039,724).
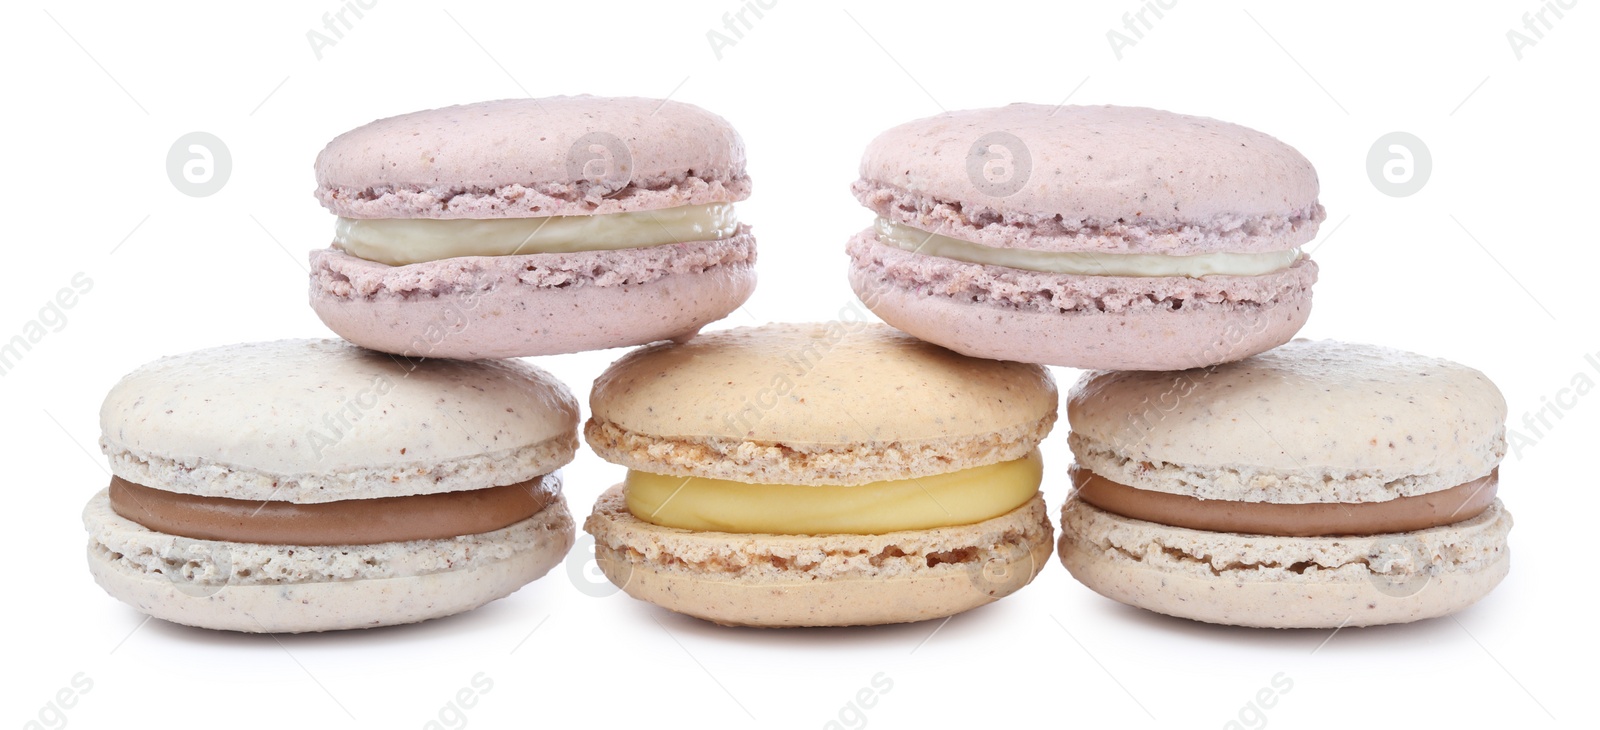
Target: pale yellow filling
(401,241)
(943,500)
(1084,263)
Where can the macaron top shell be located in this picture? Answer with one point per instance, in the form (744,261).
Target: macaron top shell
(1092,178)
(873,384)
(321,420)
(518,158)
(1311,421)
(769,393)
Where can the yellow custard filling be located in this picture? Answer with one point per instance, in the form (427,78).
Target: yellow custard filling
(1084,263)
(942,500)
(401,241)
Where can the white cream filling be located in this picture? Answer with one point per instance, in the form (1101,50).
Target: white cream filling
(1083,263)
(397,241)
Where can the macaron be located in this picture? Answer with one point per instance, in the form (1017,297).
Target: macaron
(1096,237)
(533,227)
(311,485)
(1318,485)
(820,475)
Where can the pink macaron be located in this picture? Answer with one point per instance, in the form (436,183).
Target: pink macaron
(1097,237)
(533,227)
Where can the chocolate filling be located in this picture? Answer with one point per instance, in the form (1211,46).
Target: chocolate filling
(348,522)
(1403,514)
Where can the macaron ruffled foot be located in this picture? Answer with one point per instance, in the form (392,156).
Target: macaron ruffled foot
(1092,237)
(311,485)
(820,475)
(533,227)
(1318,485)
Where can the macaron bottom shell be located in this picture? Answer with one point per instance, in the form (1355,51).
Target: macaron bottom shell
(294,589)
(543,304)
(1158,323)
(764,580)
(1286,582)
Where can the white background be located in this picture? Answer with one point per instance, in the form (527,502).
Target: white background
(1486,265)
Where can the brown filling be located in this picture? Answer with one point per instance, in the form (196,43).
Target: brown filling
(1404,514)
(349,522)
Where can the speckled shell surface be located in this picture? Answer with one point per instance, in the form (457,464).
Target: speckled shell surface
(837,403)
(846,384)
(515,158)
(259,588)
(1109,179)
(323,420)
(820,580)
(1311,421)
(1286,582)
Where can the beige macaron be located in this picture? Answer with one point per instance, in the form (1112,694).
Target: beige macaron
(770,434)
(311,485)
(1320,484)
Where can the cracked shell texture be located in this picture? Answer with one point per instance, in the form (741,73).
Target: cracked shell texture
(527,158)
(323,420)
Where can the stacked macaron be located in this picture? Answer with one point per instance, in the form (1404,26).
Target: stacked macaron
(1318,484)
(309,485)
(533,227)
(820,475)
(805,474)
(1321,484)
(1092,237)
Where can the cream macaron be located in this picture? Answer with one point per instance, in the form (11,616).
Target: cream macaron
(1318,485)
(527,227)
(310,485)
(820,475)
(1097,237)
